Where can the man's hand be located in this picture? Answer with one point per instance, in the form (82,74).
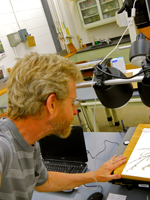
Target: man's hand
(103,174)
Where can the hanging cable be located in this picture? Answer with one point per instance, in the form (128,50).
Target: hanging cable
(14,14)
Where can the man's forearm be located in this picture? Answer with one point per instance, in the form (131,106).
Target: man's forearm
(62,181)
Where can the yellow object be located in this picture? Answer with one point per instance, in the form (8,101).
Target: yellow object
(9,70)
(62,24)
(31,41)
(68,33)
(146,31)
(3,91)
(71,47)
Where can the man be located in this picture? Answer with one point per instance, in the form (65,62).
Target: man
(41,92)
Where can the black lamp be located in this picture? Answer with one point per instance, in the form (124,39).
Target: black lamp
(144,86)
(111,96)
(139,49)
(140,56)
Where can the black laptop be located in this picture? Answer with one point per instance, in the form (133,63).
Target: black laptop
(65,155)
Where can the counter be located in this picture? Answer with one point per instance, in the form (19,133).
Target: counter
(114,41)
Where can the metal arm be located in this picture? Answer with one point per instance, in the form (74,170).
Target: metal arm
(110,82)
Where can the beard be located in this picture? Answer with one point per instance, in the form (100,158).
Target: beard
(62,130)
(61,126)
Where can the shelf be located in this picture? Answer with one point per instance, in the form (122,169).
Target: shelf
(107,2)
(88,7)
(110,10)
(90,15)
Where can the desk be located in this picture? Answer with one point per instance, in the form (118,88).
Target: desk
(83,193)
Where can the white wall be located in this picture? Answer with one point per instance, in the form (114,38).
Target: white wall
(110,30)
(30,15)
(68,19)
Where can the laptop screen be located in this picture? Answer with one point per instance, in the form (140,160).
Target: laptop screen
(71,149)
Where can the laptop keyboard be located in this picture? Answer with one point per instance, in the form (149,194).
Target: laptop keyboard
(64,168)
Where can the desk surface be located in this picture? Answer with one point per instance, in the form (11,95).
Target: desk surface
(83,193)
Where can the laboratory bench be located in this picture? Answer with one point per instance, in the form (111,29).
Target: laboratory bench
(91,52)
(105,144)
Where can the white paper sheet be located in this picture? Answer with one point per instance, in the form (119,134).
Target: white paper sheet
(139,162)
(112,196)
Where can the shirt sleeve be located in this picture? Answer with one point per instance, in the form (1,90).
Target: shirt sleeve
(41,169)
(6,155)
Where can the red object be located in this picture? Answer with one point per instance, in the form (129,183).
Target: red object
(75,112)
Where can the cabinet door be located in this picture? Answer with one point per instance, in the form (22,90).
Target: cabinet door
(109,8)
(97,12)
(89,12)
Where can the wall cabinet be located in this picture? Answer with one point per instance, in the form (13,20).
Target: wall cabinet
(97,12)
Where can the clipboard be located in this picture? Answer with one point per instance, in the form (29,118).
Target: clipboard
(128,151)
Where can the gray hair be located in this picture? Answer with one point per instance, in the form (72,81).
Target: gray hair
(33,78)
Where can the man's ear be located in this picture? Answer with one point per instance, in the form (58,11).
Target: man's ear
(51,103)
